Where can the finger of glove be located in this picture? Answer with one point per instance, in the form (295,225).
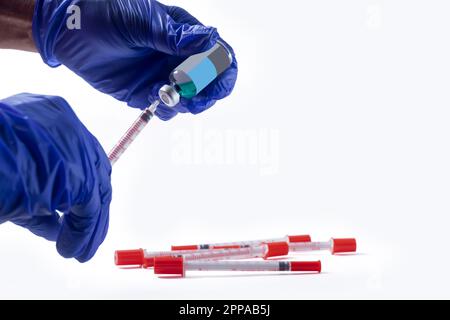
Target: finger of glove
(84,228)
(165,113)
(185,39)
(182,37)
(46,227)
(182,16)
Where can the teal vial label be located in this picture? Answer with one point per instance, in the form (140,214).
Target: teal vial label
(203,74)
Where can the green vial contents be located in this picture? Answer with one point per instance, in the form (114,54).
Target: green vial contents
(187,90)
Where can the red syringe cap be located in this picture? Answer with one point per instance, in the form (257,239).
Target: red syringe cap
(169,266)
(148,263)
(306,266)
(298,239)
(129,257)
(343,245)
(184,248)
(277,249)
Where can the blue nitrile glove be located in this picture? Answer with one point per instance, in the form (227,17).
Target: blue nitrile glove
(127,48)
(50,162)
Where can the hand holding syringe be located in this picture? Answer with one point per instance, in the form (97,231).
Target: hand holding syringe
(187,80)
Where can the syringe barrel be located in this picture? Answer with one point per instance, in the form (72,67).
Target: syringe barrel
(273,266)
(310,246)
(228,254)
(130,136)
(237,265)
(241,244)
(178,266)
(265,250)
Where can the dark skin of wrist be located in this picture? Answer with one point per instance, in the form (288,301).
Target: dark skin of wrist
(15,25)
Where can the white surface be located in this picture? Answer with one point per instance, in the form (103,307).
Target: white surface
(345,105)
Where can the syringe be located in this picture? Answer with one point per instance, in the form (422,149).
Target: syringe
(144,258)
(178,266)
(132,133)
(141,257)
(270,250)
(187,80)
(243,244)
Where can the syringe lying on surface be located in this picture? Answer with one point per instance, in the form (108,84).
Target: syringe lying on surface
(243,244)
(187,80)
(178,266)
(145,259)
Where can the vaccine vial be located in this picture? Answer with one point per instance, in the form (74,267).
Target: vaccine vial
(195,74)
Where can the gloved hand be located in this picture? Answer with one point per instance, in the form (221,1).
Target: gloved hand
(50,162)
(127,49)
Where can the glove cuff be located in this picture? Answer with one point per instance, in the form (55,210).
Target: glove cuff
(49,19)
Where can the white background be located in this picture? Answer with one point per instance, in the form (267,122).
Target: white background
(346,108)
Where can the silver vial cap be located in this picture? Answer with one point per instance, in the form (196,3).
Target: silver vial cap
(169,96)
